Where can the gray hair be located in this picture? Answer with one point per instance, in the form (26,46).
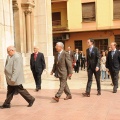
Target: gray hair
(60,44)
(11,48)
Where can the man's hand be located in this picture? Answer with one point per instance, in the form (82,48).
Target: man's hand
(97,68)
(13,82)
(69,76)
(51,73)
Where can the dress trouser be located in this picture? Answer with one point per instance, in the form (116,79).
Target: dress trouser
(23,92)
(76,67)
(97,77)
(37,78)
(115,77)
(63,87)
(82,64)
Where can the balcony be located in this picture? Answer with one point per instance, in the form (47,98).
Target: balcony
(54,1)
(57,26)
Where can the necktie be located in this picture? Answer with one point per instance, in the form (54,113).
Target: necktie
(58,56)
(35,56)
(112,53)
(90,49)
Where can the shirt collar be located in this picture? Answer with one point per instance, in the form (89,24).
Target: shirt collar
(114,50)
(61,51)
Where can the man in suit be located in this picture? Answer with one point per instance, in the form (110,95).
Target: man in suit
(113,65)
(77,61)
(37,65)
(93,67)
(15,77)
(71,53)
(63,68)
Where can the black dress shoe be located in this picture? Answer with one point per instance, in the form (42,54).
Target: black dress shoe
(4,106)
(86,94)
(114,91)
(31,103)
(37,89)
(99,93)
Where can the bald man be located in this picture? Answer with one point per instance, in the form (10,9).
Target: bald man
(63,68)
(113,65)
(15,78)
(37,65)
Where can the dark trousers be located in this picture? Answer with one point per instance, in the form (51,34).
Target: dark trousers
(97,77)
(115,77)
(82,64)
(19,88)
(76,67)
(63,87)
(37,78)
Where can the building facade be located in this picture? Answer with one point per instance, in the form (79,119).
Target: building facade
(24,24)
(75,21)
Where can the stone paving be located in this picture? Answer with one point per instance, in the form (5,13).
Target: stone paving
(104,107)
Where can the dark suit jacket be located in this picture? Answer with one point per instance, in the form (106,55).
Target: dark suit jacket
(79,58)
(113,63)
(63,66)
(39,64)
(93,58)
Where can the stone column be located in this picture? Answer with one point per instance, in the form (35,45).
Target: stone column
(28,30)
(43,31)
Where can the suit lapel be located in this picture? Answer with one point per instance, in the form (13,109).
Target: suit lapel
(60,56)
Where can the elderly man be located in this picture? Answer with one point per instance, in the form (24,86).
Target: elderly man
(63,68)
(15,78)
(37,64)
(113,65)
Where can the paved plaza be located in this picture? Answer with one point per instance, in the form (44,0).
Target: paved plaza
(104,107)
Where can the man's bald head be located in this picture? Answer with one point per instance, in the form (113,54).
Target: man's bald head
(11,50)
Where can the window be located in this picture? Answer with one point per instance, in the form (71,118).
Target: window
(117,40)
(56,18)
(88,12)
(78,44)
(101,44)
(116,9)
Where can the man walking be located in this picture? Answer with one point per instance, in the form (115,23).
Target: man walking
(77,61)
(37,65)
(113,65)
(63,68)
(93,67)
(15,78)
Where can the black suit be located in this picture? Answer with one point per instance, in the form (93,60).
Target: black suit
(113,64)
(76,67)
(37,67)
(93,61)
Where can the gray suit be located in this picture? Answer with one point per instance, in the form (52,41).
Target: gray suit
(62,67)
(14,70)
(15,78)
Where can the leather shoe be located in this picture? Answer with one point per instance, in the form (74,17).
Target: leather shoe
(31,102)
(114,91)
(56,99)
(99,93)
(86,94)
(37,89)
(68,97)
(4,106)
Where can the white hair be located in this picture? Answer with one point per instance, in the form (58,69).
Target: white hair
(11,48)
(60,44)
